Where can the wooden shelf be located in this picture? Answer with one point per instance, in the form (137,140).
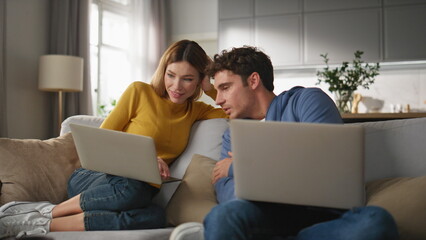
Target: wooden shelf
(367,117)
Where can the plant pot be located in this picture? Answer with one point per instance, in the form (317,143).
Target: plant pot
(343,100)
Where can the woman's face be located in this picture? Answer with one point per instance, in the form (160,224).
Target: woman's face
(181,80)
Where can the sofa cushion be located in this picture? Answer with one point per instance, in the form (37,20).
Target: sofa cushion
(405,199)
(195,196)
(36,170)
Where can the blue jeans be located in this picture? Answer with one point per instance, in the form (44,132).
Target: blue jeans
(241,219)
(114,203)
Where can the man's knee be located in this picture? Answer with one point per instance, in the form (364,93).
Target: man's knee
(226,220)
(379,221)
(229,214)
(215,215)
(375,215)
(365,223)
(381,215)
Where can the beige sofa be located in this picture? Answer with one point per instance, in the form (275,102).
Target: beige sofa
(395,153)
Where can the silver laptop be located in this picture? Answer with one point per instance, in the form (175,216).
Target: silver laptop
(118,153)
(299,163)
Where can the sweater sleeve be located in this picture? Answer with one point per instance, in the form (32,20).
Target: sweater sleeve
(226,144)
(212,93)
(225,189)
(207,111)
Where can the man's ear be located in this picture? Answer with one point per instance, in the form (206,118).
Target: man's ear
(254,80)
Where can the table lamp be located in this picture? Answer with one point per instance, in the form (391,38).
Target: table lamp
(60,73)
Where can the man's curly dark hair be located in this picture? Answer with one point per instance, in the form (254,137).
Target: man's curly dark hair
(244,61)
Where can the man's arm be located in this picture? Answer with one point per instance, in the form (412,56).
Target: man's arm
(222,168)
(226,149)
(224,186)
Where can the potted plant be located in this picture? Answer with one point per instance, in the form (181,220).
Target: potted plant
(344,81)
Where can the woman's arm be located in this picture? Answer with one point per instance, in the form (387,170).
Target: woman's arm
(207,111)
(208,88)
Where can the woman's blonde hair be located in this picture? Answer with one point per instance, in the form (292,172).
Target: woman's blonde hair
(184,50)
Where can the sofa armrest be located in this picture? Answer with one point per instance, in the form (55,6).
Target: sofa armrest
(82,120)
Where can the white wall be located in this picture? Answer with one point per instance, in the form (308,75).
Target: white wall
(394,85)
(195,20)
(28,109)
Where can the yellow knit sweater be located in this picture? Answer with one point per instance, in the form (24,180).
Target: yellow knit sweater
(141,111)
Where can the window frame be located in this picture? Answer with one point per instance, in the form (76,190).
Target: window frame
(100,46)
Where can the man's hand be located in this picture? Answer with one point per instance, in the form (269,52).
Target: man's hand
(163,167)
(206,85)
(221,169)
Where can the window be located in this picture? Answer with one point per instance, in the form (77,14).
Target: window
(111,69)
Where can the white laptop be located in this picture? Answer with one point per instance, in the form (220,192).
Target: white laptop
(299,163)
(117,153)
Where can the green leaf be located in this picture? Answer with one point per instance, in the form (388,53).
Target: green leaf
(348,77)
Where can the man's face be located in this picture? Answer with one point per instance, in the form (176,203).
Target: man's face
(236,99)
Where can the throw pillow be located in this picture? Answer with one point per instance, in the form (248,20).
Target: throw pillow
(195,196)
(36,170)
(405,199)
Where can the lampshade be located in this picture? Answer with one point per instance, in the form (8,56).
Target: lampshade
(60,73)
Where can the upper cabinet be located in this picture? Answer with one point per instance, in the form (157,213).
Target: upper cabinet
(296,32)
(283,47)
(405,33)
(236,9)
(276,7)
(329,5)
(341,33)
(235,33)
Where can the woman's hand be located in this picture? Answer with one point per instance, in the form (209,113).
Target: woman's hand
(163,167)
(222,168)
(206,85)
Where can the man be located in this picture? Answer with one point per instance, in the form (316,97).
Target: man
(244,83)
(245,90)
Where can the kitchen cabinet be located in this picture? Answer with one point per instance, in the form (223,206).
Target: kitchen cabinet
(294,32)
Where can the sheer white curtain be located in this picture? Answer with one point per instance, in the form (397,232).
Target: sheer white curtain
(149,37)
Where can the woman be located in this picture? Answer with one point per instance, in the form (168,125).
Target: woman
(164,110)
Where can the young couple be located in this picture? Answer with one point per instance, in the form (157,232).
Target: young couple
(244,84)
